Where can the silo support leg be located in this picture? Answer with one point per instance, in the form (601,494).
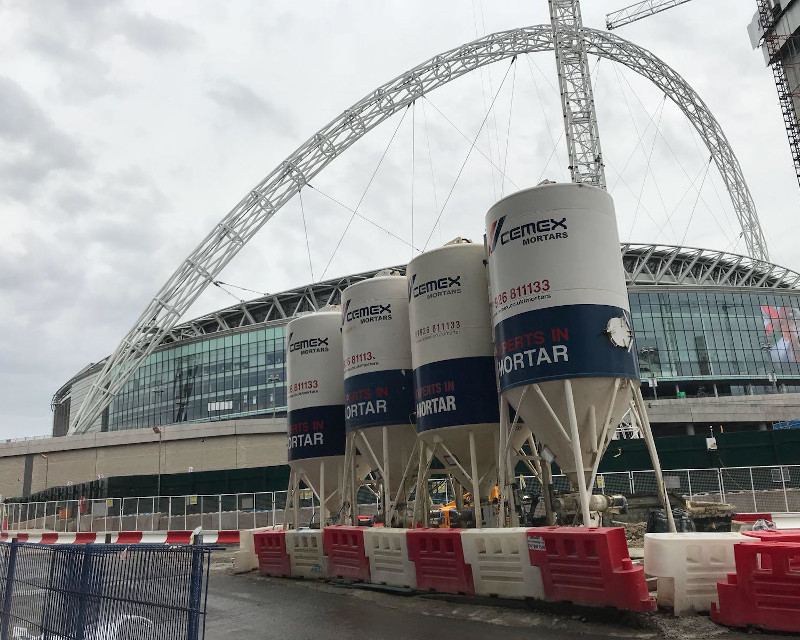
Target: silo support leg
(576,450)
(647,433)
(476,496)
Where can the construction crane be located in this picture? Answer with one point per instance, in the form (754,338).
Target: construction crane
(774,42)
(638,11)
(577,98)
(780,48)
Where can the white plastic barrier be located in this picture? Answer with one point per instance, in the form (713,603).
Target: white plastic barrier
(245,559)
(501,564)
(387,551)
(786,520)
(688,567)
(308,559)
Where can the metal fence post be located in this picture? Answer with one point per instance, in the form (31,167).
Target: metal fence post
(721,486)
(785,495)
(753,491)
(273,508)
(630,481)
(689,481)
(9,592)
(83,593)
(195,593)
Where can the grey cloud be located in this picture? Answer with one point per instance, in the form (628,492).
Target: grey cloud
(81,74)
(245,103)
(35,147)
(145,31)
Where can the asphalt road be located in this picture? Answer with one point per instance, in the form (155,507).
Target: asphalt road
(249,606)
(244,607)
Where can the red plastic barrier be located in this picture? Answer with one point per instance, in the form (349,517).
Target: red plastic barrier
(129,537)
(270,547)
(344,547)
(765,590)
(751,517)
(49,538)
(589,565)
(85,538)
(22,537)
(179,537)
(227,537)
(775,535)
(438,558)
(4,537)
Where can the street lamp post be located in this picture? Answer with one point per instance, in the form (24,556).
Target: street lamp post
(773,376)
(649,351)
(273,379)
(46,468)
(160,433)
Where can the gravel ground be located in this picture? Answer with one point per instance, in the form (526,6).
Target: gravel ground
(570,619)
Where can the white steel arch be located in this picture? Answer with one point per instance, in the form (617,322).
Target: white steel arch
(226,239)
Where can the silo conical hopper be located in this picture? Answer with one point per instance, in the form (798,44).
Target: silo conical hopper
(379,401)
(315,404)
(455,388)
(560,311)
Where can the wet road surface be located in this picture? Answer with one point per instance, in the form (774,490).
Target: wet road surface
(244,607)
(248,606)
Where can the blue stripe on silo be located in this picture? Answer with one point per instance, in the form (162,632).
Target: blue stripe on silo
(316,432)
(561,342)
(379,399)
(460,391)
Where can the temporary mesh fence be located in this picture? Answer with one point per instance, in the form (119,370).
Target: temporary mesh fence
(78,592)
(773,489)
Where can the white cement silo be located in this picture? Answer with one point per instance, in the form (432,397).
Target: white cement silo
(379,402)
(562,323)
(455,388)
(315,405)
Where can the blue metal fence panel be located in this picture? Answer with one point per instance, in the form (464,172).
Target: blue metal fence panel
(99,592)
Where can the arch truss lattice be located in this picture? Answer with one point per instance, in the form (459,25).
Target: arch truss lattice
(222,244)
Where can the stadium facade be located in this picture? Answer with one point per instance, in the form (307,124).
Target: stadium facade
(708,324)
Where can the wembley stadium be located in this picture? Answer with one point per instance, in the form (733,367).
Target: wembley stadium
(707,324)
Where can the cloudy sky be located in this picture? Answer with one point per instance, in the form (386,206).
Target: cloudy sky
(127,129)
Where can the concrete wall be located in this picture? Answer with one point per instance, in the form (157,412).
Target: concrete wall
(52,462)
(240,444)
(703,412)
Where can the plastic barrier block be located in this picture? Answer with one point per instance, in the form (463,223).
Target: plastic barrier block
(438,558)
(387,550)
(179,537)
(227,537)
(344,547)
(773,535)
(501,564)
(306,552)
(751,517)
(245,559)
(129,537)
(764,591)
(588,565)
(270,548)
(688,567)
(85,538)
(49,538)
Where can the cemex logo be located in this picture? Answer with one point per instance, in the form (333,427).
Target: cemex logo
(309,343)
(369,313)
(529,230)
(432,286)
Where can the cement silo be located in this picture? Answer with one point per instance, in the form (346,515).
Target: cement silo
(455,389)
(315,406)
(379,401)
(562,323)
